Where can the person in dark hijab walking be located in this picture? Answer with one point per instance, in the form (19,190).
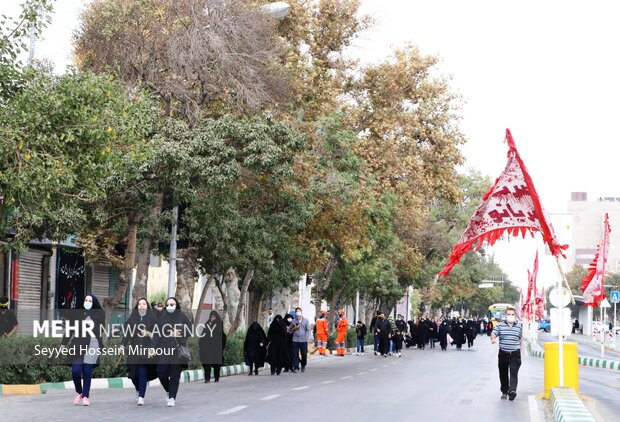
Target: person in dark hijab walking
(458,333)
(442,333)
(255,347)
(172,329)
(211,345)
(288,357)
(382,329)
(137,336)
(87,348)
(276,351)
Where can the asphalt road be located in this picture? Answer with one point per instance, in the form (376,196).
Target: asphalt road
(421,385)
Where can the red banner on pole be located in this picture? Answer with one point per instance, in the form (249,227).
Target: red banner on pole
(511,206)
(592,284)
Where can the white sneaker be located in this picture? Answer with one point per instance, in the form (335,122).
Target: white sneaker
(357,353)
(137,396)
(398,354)
(140,401)
(170,402)
(362,354)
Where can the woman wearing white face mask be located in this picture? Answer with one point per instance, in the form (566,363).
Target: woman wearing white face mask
(137,334)
(172,330)
(87,348)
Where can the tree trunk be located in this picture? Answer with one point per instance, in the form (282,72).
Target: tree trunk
(143,257)
(231,281)
(332,306)
(210,280)
(186,279)
(221,288)
(241,305)
(321,283)
(130,259)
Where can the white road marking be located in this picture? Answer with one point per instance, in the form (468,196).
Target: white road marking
(301,388)
(346,378)
(362,373)
(233,410)
(271,397)
(534,417)
(374,369)
(327,382)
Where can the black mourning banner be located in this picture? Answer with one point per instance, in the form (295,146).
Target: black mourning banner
(70,279)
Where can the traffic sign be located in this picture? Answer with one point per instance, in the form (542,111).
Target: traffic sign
(614,297)
(559,297)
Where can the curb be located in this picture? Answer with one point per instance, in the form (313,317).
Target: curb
(189,375)
(567,406)
(594,343)
(610,365)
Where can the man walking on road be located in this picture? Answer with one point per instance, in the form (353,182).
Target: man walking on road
(509,358)
(302,335)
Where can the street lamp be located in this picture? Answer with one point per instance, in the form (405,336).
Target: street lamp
(277,9)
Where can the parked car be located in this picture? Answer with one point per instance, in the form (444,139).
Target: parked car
(545,325)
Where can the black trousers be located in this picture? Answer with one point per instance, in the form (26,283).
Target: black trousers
(216,371)
(169,377)
(509,364)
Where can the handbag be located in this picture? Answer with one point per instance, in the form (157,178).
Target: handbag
(184,353)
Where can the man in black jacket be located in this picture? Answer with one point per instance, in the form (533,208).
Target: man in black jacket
(360,330)
(373,323)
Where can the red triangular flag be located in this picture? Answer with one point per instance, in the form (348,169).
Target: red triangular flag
(511,205)
(592,284)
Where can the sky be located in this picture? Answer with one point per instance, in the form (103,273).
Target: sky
(548,70)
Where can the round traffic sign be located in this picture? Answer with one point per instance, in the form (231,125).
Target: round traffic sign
(559,298)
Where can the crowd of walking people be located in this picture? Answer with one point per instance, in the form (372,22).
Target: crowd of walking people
(156,336)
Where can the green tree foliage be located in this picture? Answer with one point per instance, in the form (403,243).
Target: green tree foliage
(63,141)
(34,16)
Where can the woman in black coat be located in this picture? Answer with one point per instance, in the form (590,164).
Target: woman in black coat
(137,335)
(255,347)
(276,351)
(86,347)
(443,332)
(172,329)
(211,345)
(458,333)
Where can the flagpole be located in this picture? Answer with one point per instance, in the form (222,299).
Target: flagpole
(560,324)
(572,299)
(602,333)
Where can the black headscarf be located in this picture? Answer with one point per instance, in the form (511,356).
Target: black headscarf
(212,341)
(252,344)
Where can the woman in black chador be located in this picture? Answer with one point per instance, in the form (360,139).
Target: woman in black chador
(458,333)
(276,353)
(173,328)
(443,331)
(255,347)
(137,333)
(211,344)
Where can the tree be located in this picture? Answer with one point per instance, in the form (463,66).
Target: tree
(61,136)
(575,276)
(192,53)
(34,16)
(246,223)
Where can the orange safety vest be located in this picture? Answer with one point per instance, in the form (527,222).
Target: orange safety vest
(322,332)
(342,326)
